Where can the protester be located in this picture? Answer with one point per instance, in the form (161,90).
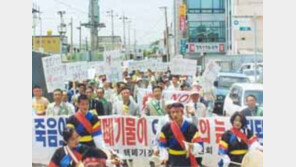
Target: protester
(39,103)
(252,109)
(94,157)
(59,107)
(70,155)
(174,85)
(95,105)
(179,140)
(65,100)
(236,142)
(106,104)
(155,106)
(126,106)
(195,109)
(81,91)
(86,124)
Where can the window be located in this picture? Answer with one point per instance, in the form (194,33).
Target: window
(207,31)
(206,6)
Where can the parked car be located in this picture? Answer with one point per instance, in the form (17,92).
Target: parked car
(222,85)
(251,74)
(250,66)
(235,100)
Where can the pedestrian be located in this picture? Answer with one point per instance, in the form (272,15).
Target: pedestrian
(86,124)
(106,104)
(236,142)
(155,106)
(59,107)
(126,106)
(95,105)
(39,103)
(179,140)
(252,109)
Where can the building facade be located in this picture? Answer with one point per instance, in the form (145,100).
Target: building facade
(201,28)
(247,16)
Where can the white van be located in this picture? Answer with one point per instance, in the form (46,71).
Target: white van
(235,100)
(250,66)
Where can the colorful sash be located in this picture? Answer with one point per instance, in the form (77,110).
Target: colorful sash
(157,107)
(86,124)
(241,135)
(180,138)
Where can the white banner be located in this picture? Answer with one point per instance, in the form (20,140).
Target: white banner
(144,65)
(183,67)
(131,137)
(53,72)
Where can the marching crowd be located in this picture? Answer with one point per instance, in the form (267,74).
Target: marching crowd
(179,141)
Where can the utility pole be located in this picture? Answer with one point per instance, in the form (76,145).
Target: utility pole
(135,44)
(111,14)
(71,24)
(167,32)
(79,28)
(61,30)
(86,44)
(255,45)
(123,18)
(129,39)
(35,11)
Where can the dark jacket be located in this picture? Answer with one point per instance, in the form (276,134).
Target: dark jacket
(97,105)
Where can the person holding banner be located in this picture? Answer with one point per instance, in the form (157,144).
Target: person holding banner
(86,124)
(155,105)
(236,142)
(179,140)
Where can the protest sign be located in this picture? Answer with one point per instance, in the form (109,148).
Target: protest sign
(180,96)
(180,66)
(77,71)
(53,72)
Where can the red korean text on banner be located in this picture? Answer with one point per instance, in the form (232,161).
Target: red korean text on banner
(219,129)
(120,130)
(130,131)
(142,131)
(107,124)
(204,128)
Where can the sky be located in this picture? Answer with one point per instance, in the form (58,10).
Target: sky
(147,19)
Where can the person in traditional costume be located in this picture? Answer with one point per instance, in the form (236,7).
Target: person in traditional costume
(70,155)
(179,140)
(86,124)
(236,142)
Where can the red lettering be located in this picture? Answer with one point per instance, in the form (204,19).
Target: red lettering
(204,127)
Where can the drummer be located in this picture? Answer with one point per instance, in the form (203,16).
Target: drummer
(70,155)
(236,142)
